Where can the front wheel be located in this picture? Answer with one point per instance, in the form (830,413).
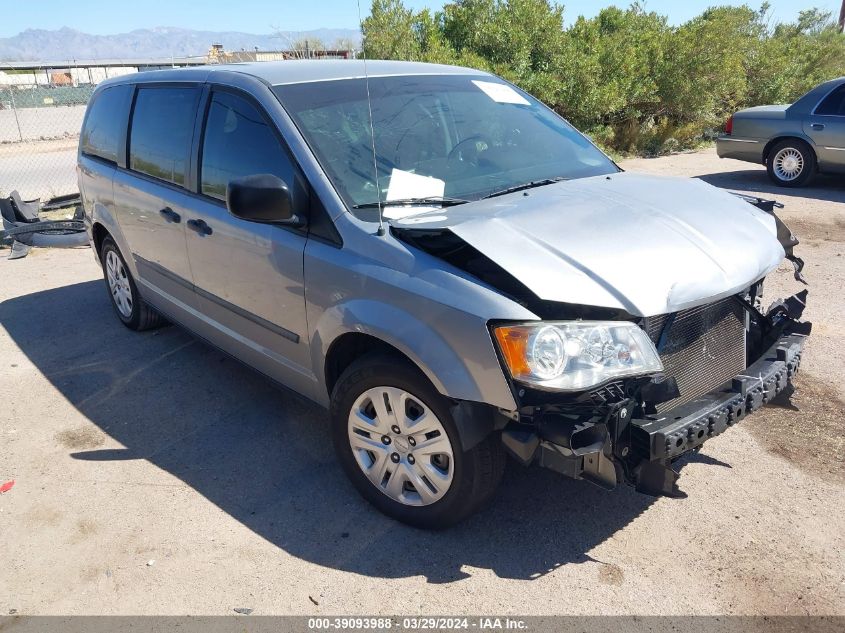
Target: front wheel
(396,440)
(791,163)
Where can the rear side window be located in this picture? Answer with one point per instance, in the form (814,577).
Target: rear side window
(834,103)
(105,123)
(239,142)
(161,130)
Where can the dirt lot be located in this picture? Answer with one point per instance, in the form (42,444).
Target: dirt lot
(155,476)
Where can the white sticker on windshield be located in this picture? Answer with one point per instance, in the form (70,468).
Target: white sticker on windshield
(404,213)
(501,93)
(404,185)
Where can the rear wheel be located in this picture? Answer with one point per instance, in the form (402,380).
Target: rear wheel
(791,163)
(132,311)
(396,439)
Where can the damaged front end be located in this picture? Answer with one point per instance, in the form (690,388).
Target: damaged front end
(721,361)
(632,430)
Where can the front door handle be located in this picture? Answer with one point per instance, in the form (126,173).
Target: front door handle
(170,215)
(818,126)
(199,226)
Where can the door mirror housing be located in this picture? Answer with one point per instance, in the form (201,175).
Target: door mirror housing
(261,198)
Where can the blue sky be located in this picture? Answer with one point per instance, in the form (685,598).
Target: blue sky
(260,16)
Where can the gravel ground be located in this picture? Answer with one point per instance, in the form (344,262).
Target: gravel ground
(155,476)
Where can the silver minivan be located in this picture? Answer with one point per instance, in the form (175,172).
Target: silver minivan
(444,263)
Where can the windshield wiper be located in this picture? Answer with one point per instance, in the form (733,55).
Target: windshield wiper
(525,185)
(443,201)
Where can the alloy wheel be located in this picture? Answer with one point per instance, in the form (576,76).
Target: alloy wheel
(788,164)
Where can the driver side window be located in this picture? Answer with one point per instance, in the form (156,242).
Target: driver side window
(238,141)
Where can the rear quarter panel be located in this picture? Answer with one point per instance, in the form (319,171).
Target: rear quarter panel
(95,179)
(753,135)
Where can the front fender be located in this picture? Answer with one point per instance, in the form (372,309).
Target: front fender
(465,367)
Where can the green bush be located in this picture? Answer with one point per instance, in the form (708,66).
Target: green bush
(627,77)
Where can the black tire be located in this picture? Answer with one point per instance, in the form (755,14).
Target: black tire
(142,316)
(807,158)
(477,472)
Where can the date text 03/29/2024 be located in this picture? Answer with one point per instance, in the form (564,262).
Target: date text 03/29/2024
(416,623)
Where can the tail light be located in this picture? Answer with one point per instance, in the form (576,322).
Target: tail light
(729,125)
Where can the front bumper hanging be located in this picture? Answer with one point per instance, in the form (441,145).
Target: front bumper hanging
(659,440)
(686,427)
(616,440)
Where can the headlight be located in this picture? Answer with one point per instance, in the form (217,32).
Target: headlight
(575,355)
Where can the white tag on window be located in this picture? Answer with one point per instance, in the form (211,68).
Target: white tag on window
(404,184)
(501,93)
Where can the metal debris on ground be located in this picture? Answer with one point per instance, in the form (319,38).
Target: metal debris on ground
(25,226)
(242,610)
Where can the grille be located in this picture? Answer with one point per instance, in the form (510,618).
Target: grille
(702,347)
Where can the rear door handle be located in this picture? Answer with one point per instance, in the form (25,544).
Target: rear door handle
(818,126)
(170,215)
(199,226)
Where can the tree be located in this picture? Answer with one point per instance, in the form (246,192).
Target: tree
(389,32)
(308,44)
(299,47)
(626,76)
(344,44)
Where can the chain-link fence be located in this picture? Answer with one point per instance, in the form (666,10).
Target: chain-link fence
(39,132)
(41,112)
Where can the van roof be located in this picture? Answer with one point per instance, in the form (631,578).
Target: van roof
(300,71)
(308,70)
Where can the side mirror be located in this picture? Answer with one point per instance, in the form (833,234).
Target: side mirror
(261,198)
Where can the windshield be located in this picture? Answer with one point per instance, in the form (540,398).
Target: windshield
(461,137)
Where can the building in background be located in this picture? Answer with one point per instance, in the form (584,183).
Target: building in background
(42,105)
(31,74)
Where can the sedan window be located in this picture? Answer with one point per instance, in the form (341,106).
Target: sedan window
(834,103)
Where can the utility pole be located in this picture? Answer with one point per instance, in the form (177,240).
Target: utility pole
(842,18)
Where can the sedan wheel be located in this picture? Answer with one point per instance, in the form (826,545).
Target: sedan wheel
(401,446)
(788,164)
(791,163)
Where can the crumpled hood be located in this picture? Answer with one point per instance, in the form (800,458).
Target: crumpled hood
(646,244)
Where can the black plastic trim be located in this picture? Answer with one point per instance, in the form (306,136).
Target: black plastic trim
(291,336)
(164,272)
